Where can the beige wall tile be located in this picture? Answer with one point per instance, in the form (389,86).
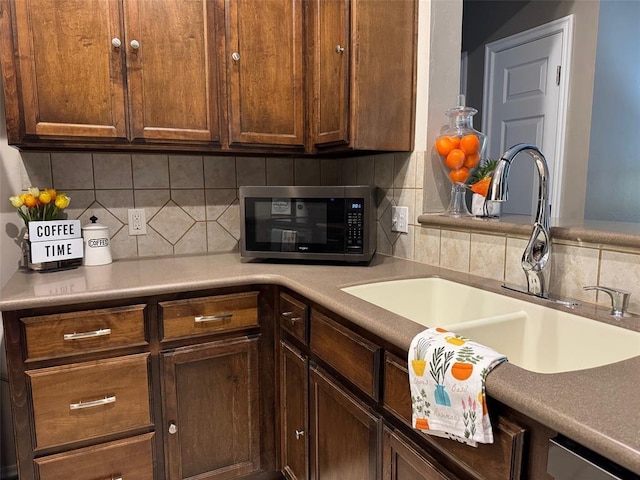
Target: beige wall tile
(419,202)
(104,217)
(572,268)
(72,171)
(455,250)
(192,202)
(385,224)
(487,255)
(112,170)
(427,245)
(621,270)
(123,245)
(230,220)
(80,201)
(37,170)
(117,202)
(219,240)
(383,170)
(153,244)
(384,198)
(172,222)
(219,172)
(218,200)
(150,171)
(194,241)
(251,171)
(366,170)
(404,247)
(513,274)
(330,171)
(419,159)
(404,170)
(306,171)
(280,171)
(349,171)
(384,245)
(151,200)
(186,171)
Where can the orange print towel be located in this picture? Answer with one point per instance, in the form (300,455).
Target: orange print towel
(447,375)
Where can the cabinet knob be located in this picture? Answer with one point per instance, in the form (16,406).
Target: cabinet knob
(135,44)
(339,49)
(299,433)
(235,56)
(116,42)
(173,429)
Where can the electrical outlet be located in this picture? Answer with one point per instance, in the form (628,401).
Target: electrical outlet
(137,221)
(400,219)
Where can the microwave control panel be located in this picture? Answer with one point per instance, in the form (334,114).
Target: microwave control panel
(355,225)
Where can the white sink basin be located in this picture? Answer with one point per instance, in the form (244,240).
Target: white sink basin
(434,301)
(533,337)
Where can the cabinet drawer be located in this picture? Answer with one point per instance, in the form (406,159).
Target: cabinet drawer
(50,336)
(87,400)
(501,460)
(201,316)
(131,458)
(353,356)
(293,317)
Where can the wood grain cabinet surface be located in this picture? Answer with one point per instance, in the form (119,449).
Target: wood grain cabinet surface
(276,76)
(138,70)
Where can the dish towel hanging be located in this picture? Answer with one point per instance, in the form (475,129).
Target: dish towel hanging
(447,375)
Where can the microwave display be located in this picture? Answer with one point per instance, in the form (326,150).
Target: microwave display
(301,226)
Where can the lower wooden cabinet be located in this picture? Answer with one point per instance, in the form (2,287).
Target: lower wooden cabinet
(131,458)
(344,433)
(402,460)
(294,390)
(211,410)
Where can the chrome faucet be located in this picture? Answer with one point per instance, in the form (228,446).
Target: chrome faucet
(538,250)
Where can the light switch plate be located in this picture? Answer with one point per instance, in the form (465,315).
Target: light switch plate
(400,219)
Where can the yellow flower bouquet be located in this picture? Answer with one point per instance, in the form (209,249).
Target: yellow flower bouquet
(36,204)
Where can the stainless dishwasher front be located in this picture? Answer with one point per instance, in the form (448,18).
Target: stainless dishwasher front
(570,461)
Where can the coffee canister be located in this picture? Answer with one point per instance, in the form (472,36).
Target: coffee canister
(97,250)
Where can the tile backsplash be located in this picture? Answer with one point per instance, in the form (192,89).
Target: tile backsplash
(191,201)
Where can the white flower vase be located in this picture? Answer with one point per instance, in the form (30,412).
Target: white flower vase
(482,208)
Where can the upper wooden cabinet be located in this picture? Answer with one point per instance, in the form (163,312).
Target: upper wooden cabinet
(363,71)
(265,69)
(106,70)
(269,76)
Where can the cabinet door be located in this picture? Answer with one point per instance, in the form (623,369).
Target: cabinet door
(344,434)
(330,50)
(264,58)
(211,410)
(172,69)
(402,461)
(71,73)
(293,412)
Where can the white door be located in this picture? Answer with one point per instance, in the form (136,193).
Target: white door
(526,77)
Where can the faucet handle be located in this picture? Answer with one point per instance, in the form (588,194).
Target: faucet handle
(619,299)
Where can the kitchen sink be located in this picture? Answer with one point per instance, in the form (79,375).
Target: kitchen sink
(533,337)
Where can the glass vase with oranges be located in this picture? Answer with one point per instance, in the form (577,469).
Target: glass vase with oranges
(461,148)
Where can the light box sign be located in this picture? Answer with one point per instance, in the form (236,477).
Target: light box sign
(55,240)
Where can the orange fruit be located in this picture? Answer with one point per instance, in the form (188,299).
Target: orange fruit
(482,186)
(455,140)
(459,175)
(472,160)
(455,159)
(444,145)
(469,144)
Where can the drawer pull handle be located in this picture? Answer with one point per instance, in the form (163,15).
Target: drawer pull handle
(93,403)
(96,333)
(117,478)
(290,316)
(212,318)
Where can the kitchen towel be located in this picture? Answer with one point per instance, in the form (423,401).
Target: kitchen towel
(447,374)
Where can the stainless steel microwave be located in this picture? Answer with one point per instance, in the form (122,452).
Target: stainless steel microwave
(332,223)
